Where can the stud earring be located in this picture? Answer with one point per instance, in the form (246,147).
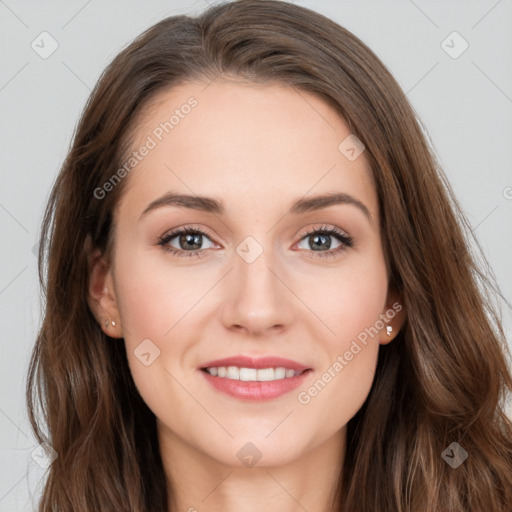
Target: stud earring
(113,323)
(389,329)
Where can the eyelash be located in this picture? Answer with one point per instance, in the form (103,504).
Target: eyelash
(346,241)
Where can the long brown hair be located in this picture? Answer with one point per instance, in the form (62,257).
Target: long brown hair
(443,379)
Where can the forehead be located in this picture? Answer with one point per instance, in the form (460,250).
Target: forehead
(252,146)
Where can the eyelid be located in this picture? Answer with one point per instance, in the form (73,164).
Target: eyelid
(325,228)
(189,227)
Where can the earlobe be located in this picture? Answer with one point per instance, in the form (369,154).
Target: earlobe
(393,316)
(388,334)
(101,295)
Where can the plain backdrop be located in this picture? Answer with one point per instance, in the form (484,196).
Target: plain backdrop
(464,101)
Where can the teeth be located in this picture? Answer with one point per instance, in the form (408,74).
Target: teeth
(264,374)
(280,373)
(233,373)
(247,374)
(252,374)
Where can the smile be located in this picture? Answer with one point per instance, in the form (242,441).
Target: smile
(254,378)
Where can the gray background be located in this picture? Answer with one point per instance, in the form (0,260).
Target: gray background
(465,104)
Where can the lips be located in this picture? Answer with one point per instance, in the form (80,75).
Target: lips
(241,376)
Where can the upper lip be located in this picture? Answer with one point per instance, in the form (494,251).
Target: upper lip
(256,362)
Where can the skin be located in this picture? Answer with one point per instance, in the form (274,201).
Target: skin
(256,148)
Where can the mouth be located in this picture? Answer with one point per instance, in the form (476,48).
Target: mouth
(255,379)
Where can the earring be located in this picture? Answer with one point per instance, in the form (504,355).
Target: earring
(107,322)
(389,329)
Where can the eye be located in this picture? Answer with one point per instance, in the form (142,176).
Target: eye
(189,241)
(320,238)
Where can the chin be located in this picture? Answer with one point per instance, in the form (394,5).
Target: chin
(257,451)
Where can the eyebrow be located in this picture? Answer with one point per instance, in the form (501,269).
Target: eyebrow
(211,205)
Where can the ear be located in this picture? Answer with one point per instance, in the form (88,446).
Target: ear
(101,295)
(393,315)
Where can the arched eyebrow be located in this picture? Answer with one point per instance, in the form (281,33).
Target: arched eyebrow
(212,205)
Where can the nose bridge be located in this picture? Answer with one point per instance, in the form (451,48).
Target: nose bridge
(253,263)
(259,300)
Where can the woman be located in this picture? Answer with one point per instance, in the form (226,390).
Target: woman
(325,346)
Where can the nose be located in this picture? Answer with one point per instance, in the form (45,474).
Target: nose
(257,298)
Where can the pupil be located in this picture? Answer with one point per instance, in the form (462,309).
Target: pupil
(326,238)
(194,239)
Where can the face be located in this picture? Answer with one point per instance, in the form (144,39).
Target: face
(258,271)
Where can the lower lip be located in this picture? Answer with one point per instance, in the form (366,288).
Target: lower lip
(254,390)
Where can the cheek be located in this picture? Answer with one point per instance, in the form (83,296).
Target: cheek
(351,306)
(351,301)
(149,308)
(159,308)
(153,297)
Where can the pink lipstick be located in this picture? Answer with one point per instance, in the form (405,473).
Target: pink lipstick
(257,379)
